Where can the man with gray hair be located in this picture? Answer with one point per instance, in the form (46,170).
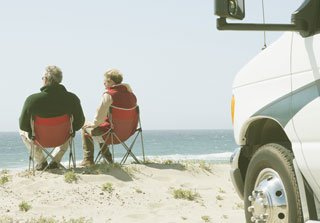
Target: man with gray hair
(53,100)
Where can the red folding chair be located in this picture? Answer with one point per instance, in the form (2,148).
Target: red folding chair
(124,124)
(52,132)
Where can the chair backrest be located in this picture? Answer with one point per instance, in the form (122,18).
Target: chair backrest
(124,123)
(52,132)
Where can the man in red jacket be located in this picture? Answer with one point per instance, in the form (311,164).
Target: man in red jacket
(117,94)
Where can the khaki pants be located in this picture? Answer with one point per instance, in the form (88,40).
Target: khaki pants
(88,145)
(39,156)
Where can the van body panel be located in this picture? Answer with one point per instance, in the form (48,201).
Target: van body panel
(264,73)
(305,70)
(282,84)
(272,62)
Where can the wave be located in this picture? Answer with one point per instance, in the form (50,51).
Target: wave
(180,157)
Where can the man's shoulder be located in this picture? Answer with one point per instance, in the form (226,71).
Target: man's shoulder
(73,96)
(35,96)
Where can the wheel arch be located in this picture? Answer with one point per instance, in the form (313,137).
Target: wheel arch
(257,132)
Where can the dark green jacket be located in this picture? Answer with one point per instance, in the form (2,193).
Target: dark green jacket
(52,101)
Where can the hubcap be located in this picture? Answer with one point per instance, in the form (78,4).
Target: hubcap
(268,200)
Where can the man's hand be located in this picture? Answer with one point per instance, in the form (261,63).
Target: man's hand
(87,125)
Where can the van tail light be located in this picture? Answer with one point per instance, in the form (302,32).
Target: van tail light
(232,108)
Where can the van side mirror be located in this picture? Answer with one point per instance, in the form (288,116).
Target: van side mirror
(305,20)
(232,9)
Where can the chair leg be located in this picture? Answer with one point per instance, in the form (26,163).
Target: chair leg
(128,150)
(125,157)
(52,158)
(31,159)
(142,145)
(74,155)
(112,152)
(98,158)
(70,155)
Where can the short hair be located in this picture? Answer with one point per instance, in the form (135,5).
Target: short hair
(115,75)
(53,75)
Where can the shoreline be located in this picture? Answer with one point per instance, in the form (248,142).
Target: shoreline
(130,193)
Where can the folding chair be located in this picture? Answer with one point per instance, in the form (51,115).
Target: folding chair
(124,124)
(50,133)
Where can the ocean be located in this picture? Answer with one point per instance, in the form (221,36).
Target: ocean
(214,146)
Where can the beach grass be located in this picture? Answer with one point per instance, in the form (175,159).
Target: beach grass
(137,190)
(77,220)
(184,218)
(239,205)
(205,218)
(25,174)
(4,179)
(219,197)
(185,194)
(4,171)
(24,206)
(204,166)
(41,219)
(108,187)
(131,170)
(71,177)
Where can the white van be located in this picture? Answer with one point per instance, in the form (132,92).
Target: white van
(276,117)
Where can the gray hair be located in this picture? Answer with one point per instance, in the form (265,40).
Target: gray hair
(53,75)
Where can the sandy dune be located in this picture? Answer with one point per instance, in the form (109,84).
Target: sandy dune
(131,193)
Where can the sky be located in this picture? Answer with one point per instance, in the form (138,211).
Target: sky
(178,64)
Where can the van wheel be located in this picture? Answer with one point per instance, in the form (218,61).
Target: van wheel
(271,192)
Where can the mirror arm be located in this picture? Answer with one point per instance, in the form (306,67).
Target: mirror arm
(222,24)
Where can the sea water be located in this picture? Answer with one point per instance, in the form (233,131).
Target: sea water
(176,145)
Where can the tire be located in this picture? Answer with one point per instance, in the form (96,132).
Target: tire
(271,192)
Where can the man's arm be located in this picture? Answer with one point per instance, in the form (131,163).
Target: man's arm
(25,117)
(78,116)
(102,110)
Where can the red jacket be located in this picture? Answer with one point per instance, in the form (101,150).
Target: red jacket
(122,98)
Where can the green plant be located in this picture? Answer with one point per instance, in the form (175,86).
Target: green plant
(148,161)
(4,171)
(42,219)
(205,218)
(4,179)
(26,174)
(78,220)
(115,165)
(5,219)
(239,205)
(204,166)
(70,177)
(219,197)
(167,162)
(138,190)
(107,187)
(185,194)
(24,206)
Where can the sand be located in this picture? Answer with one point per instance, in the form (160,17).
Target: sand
(131,193)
